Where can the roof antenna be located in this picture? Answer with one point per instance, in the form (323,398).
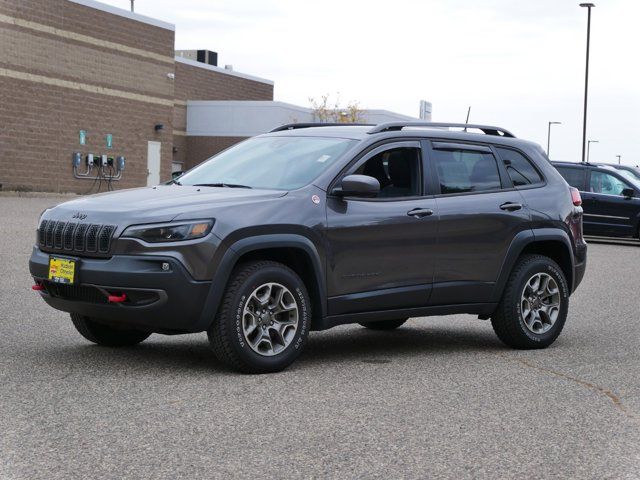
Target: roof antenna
(468,112)
(132,1)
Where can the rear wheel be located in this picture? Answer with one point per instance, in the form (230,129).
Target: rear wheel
(106,335)
(264,319)
(385,324)
(534,305)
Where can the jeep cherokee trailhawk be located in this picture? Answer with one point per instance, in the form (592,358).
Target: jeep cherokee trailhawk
(312,226)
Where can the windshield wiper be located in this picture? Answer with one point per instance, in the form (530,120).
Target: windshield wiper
(227,185)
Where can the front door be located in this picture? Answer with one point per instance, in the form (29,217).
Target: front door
(480,214)
(380,250)
(153,163)
(606,210)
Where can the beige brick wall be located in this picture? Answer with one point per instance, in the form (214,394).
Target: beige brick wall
(69,16)
(201,148)
(67,68)
(41,133)
(195,83)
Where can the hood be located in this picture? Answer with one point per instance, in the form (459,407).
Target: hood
(153,204)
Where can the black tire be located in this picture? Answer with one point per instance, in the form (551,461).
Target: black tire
(106,335)
(226,334)
(507,320)
(385,324)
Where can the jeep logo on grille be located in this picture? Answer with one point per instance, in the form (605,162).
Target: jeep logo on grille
(80,216)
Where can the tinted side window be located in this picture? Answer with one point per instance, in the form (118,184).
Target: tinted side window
(463,171)
(574,176)
(520,169)
(397,170)
(607,184)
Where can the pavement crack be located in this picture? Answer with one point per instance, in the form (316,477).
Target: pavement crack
(615,400)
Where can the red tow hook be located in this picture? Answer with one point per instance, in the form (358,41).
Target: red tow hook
(117,298)
(37,287)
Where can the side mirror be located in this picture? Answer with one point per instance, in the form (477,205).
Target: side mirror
(358,186)
(628,193)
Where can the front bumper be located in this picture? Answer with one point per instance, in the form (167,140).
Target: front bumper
(156,300)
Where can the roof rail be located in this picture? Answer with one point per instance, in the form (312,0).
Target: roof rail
(295,126)
(486,129)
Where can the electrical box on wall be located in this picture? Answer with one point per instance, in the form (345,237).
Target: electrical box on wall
(98,167)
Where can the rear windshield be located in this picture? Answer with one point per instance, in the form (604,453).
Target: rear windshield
(281,163)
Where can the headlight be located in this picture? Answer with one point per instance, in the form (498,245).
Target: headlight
(169,232)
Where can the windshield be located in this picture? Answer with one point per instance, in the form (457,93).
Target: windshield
(281,163)
(635,178)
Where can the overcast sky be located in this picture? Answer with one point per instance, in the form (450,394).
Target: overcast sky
(517,63)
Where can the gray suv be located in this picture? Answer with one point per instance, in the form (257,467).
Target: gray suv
(312,226)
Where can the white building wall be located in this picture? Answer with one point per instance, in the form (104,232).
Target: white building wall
(249,118)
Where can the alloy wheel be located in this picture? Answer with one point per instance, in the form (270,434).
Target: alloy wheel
(540,303)
(270,319)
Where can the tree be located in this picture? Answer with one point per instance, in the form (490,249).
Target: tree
(324,112)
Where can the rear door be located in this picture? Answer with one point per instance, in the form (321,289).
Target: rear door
(480,213)
(380,250)
(609,212)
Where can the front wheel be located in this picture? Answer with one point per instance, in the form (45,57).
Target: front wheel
(264,319)
(106,335)
(534,305)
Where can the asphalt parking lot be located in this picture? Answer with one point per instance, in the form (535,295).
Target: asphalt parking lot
(440,397)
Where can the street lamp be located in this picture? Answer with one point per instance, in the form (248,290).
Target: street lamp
(618,158)
(589,147)
(549,136)
(588,6)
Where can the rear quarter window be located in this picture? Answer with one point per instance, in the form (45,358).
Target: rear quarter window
(520,169)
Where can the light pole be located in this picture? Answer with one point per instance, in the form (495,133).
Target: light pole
(549,136)
(588,6)
(132,1)
(618,158)
(589,147)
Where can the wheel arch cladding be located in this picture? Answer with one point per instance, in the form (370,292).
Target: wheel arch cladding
(552,243)
(557,251)
(295,251)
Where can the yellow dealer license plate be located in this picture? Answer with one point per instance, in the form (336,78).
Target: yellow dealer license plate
(62,270)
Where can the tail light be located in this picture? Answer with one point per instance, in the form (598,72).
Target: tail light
(575,196)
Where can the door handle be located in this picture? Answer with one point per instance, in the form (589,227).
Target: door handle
(420,212)
(511,206)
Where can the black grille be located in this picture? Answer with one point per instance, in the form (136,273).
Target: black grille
(92,238)
(79,293)
(105,238)
(67,235)
(78,242)
(57,235)
(51,226)
(42,233)
(75,237)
